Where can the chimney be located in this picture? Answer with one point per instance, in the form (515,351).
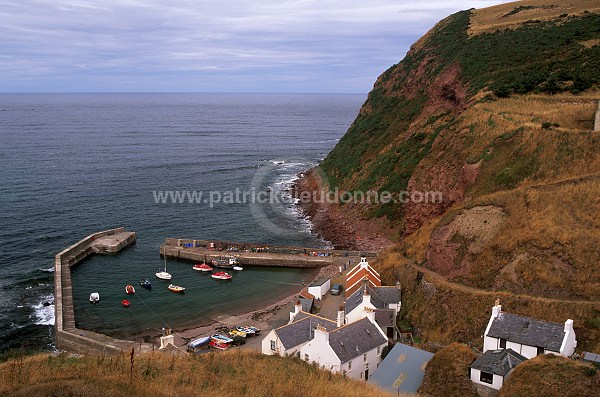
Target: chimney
(363,262)
(370,314)
(166,341)
(366,300)
(297,309)
(497,309)
(569,326)
(321,334)
(340,316)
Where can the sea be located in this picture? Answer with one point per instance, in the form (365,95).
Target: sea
(74,164)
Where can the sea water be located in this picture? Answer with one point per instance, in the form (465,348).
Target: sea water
(74,164)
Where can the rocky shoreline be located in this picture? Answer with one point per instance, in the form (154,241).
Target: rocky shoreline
(344,226)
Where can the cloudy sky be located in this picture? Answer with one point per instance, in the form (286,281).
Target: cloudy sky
(209,46)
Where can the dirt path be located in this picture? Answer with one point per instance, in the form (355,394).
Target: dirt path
(471,290)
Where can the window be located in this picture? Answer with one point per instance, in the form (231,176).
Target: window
(502,343)
(349,365)
(305,357)
(365,357)
(486,378)
(540,351)
(366,365)
(273,345)
(361,375)
(378,350)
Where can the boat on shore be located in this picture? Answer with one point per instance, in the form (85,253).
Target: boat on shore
(202,267)
(220,342)
(94,297)
(176,288)
(221,276)
(146,283)
(198,343)
(129,290)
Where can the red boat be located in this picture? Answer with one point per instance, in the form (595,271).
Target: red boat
(203,267)
(129,290)
(220,342)
(125,303)
(221,276)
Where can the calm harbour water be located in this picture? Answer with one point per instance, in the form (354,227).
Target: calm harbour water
(73,164)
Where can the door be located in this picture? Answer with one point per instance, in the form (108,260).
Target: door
(366,374)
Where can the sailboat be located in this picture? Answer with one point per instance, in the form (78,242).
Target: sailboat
(162,274)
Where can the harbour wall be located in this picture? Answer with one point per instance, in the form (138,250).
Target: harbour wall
(67,336)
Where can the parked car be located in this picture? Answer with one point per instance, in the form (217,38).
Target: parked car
(336,289)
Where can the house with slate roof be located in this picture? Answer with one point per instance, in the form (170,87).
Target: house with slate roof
(353,349)
(494,367)
(384,300)
(288,340)
(527,336)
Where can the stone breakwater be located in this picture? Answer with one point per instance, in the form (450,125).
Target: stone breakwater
(67,335)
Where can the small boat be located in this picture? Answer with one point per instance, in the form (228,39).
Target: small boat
(203,267)
(235,332)
(256,330)
(220,342)
(129,289)
(176,288)
(225,262)
(146,283)
(238,268)
(246,330)
(198,343)
(94,297)
(162,274)
(221,276)
(125,303)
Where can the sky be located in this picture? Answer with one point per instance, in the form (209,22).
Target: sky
(295,46)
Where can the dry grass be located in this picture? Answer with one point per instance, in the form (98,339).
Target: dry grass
(446,374)
(222,374)
(495,18)
(551,375)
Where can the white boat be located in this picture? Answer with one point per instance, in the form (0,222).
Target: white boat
(238,268)
(94,297)
(162,274)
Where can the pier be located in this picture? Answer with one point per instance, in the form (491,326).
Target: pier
(257,254)
(66,334)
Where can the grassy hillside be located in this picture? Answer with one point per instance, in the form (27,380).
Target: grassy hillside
(493,109)
(550,375)
(215,374)
(446,374)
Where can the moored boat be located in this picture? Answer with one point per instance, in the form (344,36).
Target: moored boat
(162,274)
(225,262)
(176,288)
(129,290)
(125,303)
(146,283)
(238,268)
(203,267)
(94,297)
(221,276)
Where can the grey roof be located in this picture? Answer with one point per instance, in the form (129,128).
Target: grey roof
(402,369)
(591,357)
(355,339)
(381,297)
(320,281)
(527,331)
(306,303)
(498,362)
(301,330)
(384,317)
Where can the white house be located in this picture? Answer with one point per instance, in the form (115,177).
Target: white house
(353,349)
(384,300)
(526,336)
(288,340)
(319,288)
(494,367)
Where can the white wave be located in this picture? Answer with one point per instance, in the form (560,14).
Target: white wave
(44,315)
(277,162)
(48,270)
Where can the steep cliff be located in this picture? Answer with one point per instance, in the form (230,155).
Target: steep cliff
(493,111)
